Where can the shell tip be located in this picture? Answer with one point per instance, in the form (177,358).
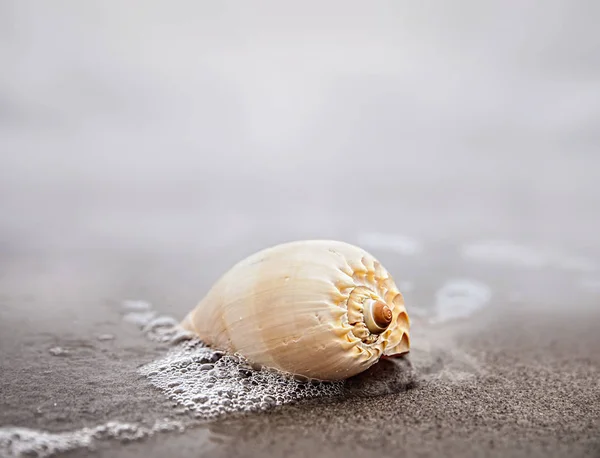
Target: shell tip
(382,314)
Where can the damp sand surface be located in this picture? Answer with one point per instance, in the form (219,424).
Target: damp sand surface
(517,374)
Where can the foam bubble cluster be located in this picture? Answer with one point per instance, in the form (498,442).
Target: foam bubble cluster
(210,383)
(30,442)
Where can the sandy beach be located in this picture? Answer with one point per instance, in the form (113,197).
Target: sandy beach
(146,147)
(519,377)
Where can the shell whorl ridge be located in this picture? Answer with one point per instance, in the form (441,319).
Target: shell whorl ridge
(321,309)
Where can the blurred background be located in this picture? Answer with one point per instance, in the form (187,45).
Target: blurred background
(147,146)
(181,127)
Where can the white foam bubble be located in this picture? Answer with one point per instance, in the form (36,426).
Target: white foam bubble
(16,442)
(460,298)
(397,243)
(58,351)
(210,383)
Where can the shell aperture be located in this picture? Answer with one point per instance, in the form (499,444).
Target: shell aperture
(320,309)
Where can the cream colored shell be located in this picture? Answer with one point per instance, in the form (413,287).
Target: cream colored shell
(298,307)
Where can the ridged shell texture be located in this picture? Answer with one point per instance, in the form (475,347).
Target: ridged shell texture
(305,308)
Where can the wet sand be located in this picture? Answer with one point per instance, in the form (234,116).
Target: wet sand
(145,150)
(520,377)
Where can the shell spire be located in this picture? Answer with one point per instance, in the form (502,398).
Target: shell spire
(321,309)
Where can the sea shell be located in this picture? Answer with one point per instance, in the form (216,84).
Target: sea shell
(320,309)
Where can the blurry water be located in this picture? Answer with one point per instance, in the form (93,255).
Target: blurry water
(155,126)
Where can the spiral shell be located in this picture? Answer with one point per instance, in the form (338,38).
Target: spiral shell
(321,309)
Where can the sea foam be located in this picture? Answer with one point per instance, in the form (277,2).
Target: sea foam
(208,383)
(16,442)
